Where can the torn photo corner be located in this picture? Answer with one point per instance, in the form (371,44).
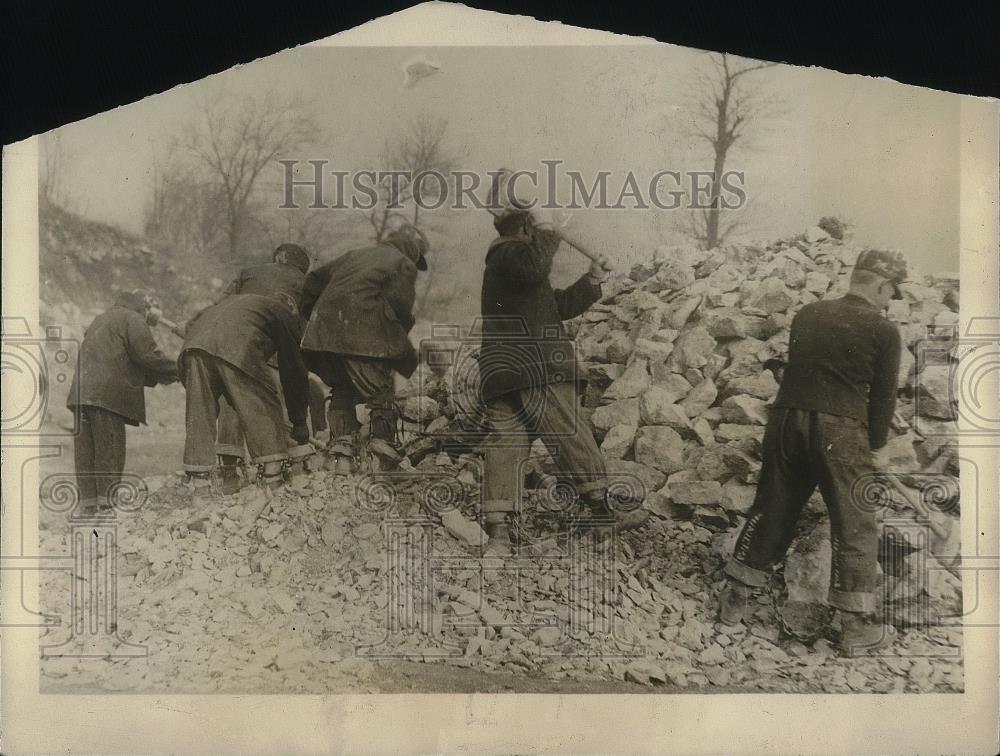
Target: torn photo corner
(364,398)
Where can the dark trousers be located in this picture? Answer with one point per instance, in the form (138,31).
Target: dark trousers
(552,414)
(802,450)
(229,439)
(353,380)
(257,406)
(99,453)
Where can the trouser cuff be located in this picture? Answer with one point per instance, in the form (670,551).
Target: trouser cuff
(592,489)
(229,450)
(852,601)
(488,506)
(188,468)
(270,458)
(746,575)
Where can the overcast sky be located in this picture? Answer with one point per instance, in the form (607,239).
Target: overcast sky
(881,154)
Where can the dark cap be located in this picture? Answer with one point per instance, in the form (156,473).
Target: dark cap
(411,241)
(136,299)
(296,256)
(889,265)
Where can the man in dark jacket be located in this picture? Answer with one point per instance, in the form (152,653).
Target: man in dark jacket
(834,408)
(527,368)
(225,353)
(286,275)
(360,311)
(118,359)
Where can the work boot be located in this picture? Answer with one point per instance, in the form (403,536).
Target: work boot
(229,476)
(200,484)
(342,455)
(500,543)
(734,603)
(864,634)
(387,456)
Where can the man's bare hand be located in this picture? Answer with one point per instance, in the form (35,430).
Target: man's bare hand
(600,269)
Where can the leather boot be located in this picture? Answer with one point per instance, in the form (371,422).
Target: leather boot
(343,424)
(864,634)
(498,530)
(734,603)
(229,474)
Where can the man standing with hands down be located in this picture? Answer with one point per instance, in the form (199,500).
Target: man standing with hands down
(832,414)
(527,367)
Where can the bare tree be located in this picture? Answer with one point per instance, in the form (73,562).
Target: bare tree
(725,104)
(186,208)
(421,149)
(235,140)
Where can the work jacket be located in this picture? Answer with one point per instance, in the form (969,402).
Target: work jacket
(524,344)
(118,359)
(268,279)
(843,359)
(246,330)
(361,304)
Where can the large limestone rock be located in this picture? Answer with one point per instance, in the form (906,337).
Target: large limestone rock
(622,412)
(660,447)
(697,492)
(618,441)
(634,381)
(657,406)
(745,409)
(725,323)
(760,385)
(772,296)
(700,398)
(691,349)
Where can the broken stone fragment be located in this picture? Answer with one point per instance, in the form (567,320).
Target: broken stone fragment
(468,532)
(683,312)
(745,409)
(622,412)
(697,492)
(660,447)
(631,383)
(771,296)
(657,407)
(653,351)
(700,398)
(618,441)
(691,349)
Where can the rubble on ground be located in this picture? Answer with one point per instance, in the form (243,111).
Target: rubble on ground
(236,593)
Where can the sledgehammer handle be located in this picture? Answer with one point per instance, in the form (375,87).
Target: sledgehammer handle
(171,325)
(494,198)
(578,246)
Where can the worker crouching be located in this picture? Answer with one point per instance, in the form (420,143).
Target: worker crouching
(225,354)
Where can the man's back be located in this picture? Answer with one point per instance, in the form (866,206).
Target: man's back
(843,359)
(361,304)
(245,330)
(268,279)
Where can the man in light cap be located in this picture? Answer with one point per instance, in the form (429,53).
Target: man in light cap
(527,371)
(118,358)
(831,415)
(359,309)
